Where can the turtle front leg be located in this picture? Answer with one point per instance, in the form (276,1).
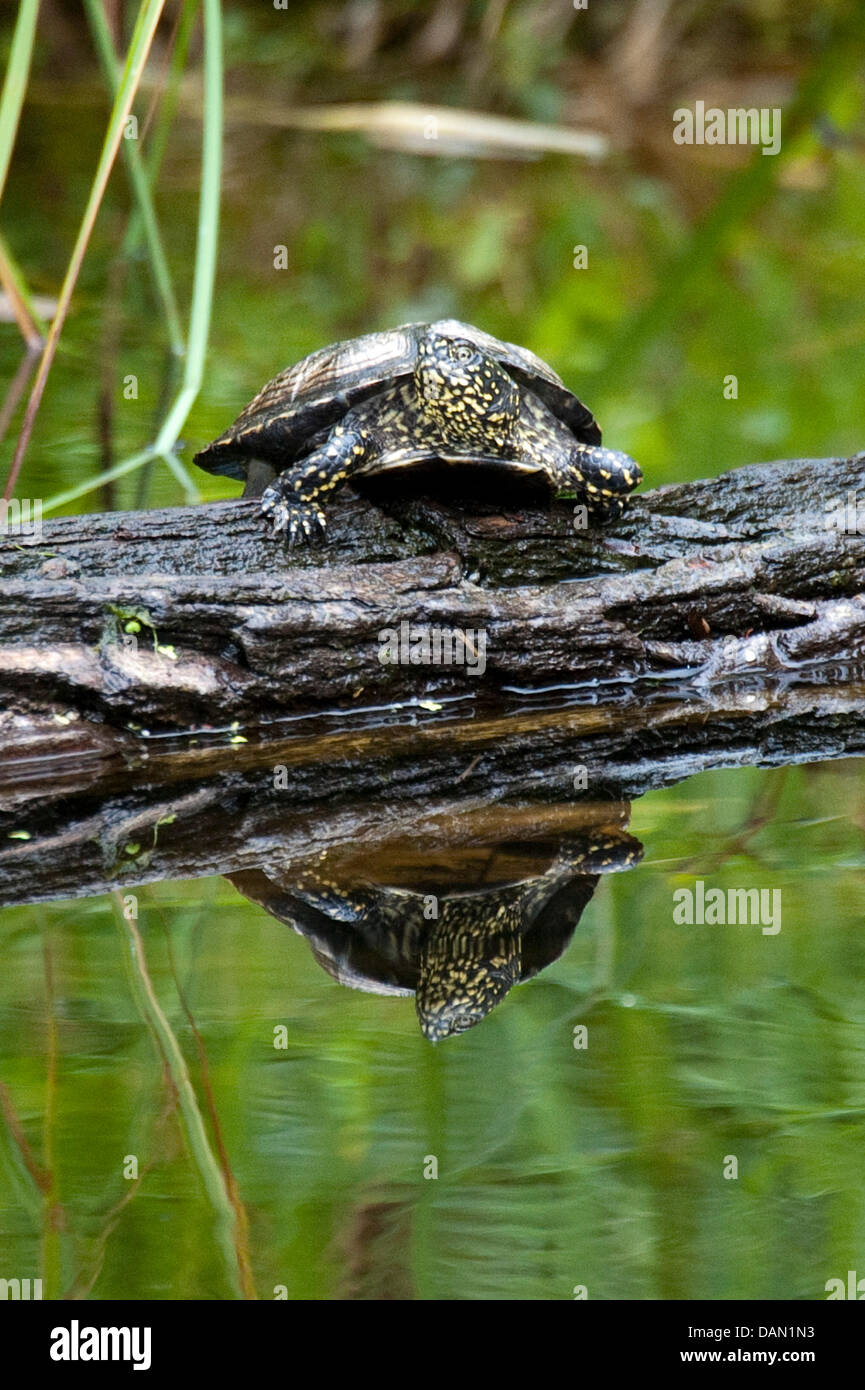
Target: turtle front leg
(601,478)
(292,503)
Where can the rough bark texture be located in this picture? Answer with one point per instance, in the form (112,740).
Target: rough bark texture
(716,579)
(719,624)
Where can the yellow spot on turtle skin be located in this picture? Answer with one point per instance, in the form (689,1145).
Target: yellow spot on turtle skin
(605,473)
(358,449)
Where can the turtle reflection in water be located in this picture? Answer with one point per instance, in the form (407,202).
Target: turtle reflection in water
(459,951)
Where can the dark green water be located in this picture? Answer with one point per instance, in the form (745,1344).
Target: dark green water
(602,1166)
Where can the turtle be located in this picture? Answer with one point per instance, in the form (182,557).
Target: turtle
(458,949)
(420,394)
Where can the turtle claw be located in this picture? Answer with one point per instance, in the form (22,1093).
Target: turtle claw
(302,522)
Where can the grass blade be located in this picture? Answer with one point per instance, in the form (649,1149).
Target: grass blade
(30,323)
(207,242)
(199,1144)
(208,230)
(157,139)
(139,48)
(140,185)
(15,84)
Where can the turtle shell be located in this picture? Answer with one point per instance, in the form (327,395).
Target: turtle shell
(296,409)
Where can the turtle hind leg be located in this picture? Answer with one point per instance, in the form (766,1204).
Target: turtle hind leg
(601,478)
(292,503)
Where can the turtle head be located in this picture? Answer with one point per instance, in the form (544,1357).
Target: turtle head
(603,478)
(466,968)
(465,393)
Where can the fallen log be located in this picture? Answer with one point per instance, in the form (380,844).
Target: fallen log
(190,616)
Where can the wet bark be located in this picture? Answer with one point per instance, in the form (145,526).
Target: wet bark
(184,616)
(718,624)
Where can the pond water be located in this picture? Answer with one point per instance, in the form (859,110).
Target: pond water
(701,1138)
(191,1106)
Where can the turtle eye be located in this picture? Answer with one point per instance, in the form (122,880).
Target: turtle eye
(462,352)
